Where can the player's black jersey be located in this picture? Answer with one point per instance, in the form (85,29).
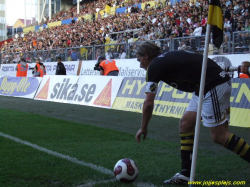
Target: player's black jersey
(182,70)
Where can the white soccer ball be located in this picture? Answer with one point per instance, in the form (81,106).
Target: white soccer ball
(125,170)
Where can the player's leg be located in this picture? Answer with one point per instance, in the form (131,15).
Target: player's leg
(238,145)
(186,128)
(216,115)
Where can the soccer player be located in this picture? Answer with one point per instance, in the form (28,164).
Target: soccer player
(182,70)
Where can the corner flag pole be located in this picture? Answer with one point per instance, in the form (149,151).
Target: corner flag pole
(200,102)
(215,18)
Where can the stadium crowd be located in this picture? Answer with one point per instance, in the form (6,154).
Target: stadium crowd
(162,21)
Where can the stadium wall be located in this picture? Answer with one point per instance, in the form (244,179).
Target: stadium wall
(125,92)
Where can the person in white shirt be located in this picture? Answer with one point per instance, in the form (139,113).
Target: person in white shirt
(154,20)
(227,27)
(122,54)
(197,30)
(189,20)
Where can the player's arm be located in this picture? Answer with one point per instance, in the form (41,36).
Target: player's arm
(147,110)
(148,106)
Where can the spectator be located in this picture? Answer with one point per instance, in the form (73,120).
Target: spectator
(60,69)
(73,56)
(109,54)
(234,22)
(122,54)
(97,31)
(245,70)
(197,30)
(227,27)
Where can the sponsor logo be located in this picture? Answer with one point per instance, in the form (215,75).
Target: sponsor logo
(18,86)
(8,68)
(208,117)
(67,91)
(162,108)
(69,67)
(240,95)
(89,71)
(135,88)
(50,68)
(128,72)
(125,72)
(43,94)
(104,99)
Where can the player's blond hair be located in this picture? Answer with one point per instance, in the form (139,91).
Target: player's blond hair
(148,48)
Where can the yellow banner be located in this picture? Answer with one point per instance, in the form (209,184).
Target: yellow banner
(27,29)
(112,10)
(143,6)
(170,102)
(161,108)
(152,3)
(84,53)
(240,117)
(107,47)
(54,24)
(107,9)
(88,17)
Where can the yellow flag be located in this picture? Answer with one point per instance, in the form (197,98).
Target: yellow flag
(107,9)
(215,18)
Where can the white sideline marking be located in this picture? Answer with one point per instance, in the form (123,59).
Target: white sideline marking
(92,183)
(66,157)
(74,160)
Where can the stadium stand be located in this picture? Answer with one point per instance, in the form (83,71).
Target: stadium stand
(113,28)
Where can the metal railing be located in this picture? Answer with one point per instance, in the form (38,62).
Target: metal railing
(238,43)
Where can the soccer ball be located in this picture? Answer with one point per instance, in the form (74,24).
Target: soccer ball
(125,170)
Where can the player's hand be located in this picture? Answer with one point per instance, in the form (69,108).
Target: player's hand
(139,133)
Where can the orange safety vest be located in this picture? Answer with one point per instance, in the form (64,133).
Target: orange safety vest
(108,66)
(21,70)
(38,66)
(244,76)
(42,72)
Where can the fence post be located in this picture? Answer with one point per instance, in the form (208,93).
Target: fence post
(66,54)
(93,53)
(229,45)
(233,43)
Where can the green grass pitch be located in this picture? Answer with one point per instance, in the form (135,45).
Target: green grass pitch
(99,137)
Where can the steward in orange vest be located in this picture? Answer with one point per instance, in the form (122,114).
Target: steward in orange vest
(22,68)
(39,72)
(108,67)
(42,70)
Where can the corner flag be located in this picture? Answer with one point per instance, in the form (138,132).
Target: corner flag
(215,18)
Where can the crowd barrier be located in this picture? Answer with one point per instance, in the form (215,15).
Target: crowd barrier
(127,67)
(239,43)
(124,92)
(120,93)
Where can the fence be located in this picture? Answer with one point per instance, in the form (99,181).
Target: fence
(238,43)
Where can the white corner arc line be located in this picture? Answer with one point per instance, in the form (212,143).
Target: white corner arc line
(71,159)
(66,157)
